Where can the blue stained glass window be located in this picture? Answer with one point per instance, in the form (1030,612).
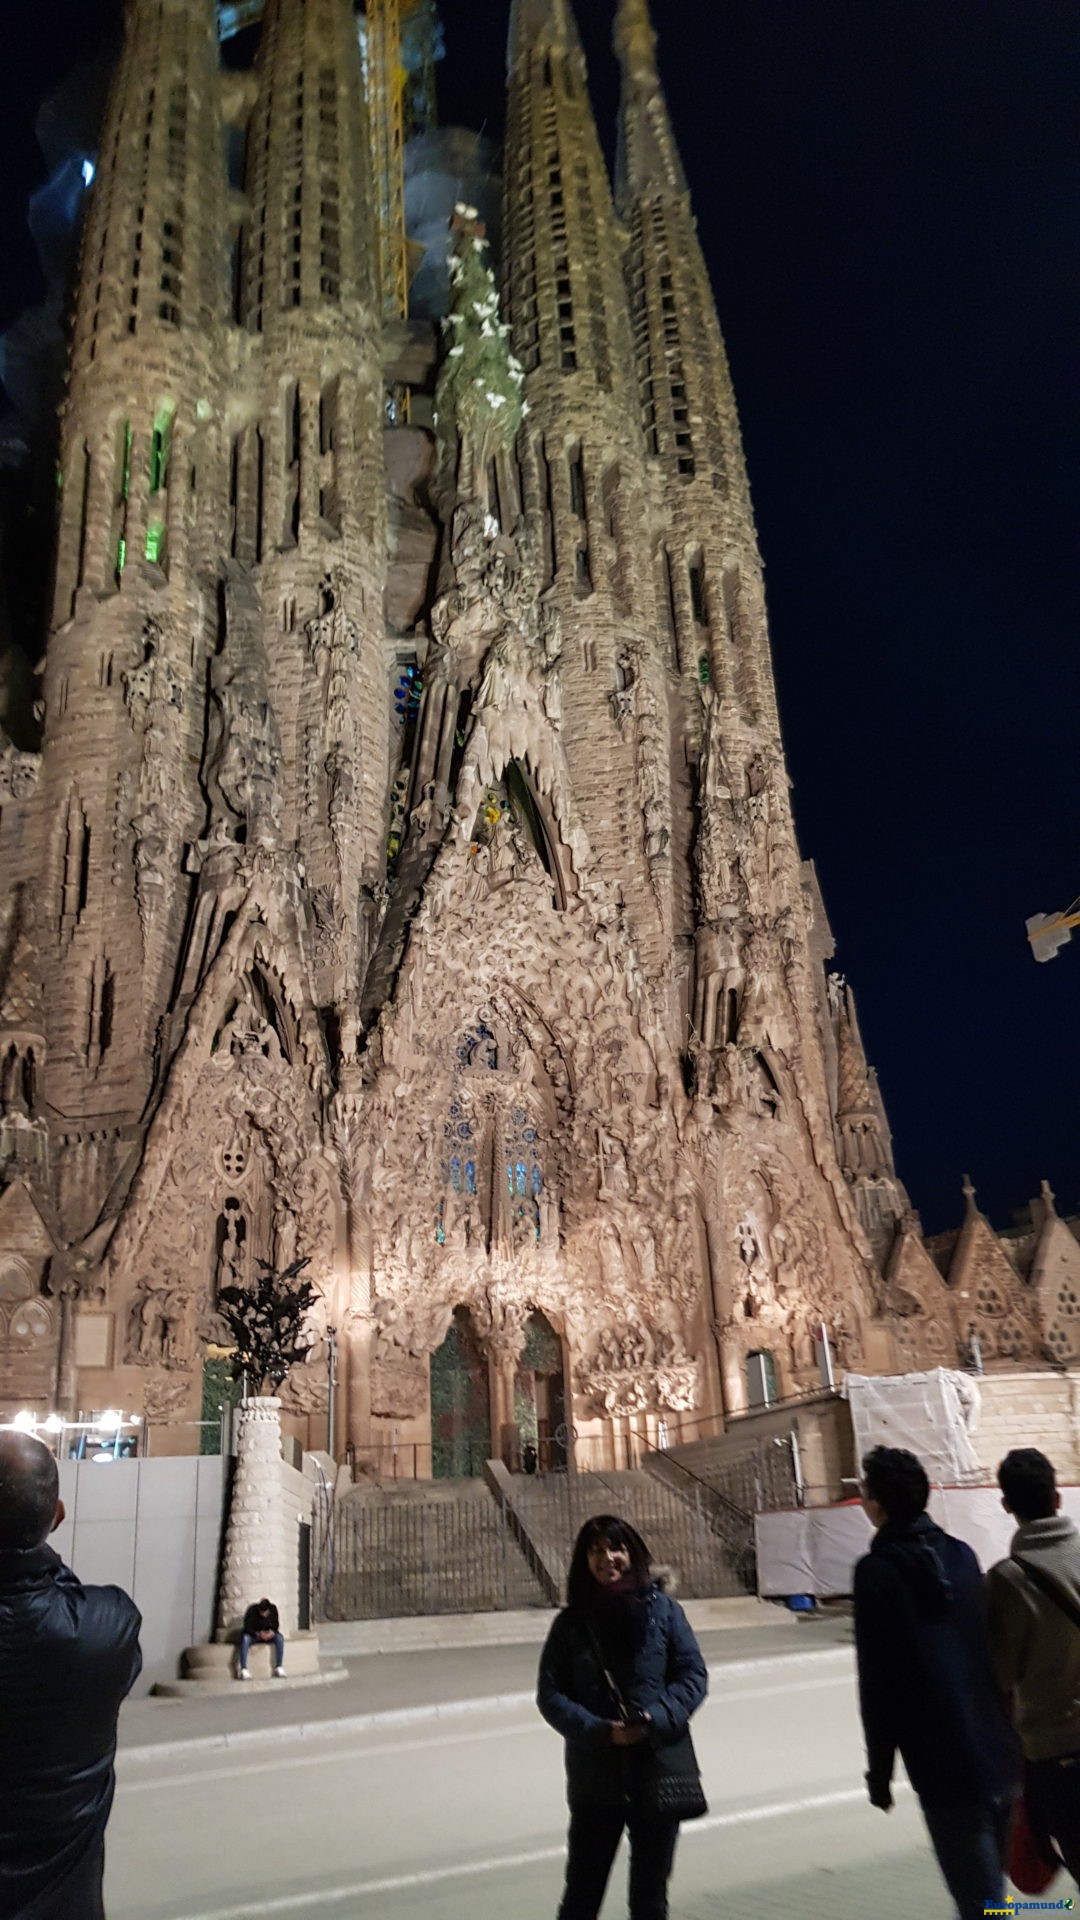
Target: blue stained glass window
(537,1180)
(510,1180)
(455,1174)
(464,1130)
(470,1176)
(522,1178)
(529,1134)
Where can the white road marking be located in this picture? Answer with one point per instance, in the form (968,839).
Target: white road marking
(472,1869)
(290,1760)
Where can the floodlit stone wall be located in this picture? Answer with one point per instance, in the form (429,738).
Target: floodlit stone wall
(407,880)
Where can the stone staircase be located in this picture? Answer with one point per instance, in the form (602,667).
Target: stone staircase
(684,1542)
(424,1547)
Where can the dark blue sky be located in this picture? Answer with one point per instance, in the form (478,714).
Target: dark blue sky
(887,199)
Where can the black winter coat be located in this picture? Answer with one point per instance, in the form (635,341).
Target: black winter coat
(68,1656)
(669,1682)
(925,1685)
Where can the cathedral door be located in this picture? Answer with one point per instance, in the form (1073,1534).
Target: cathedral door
(460,1414)
(540,1394)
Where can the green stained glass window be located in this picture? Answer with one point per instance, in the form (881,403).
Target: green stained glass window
(125,463)
(155,542)
(121,554)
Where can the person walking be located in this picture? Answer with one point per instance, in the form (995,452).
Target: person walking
(620,1676)
(926,1689)
(262,1625)
(69,1655)
(1033,1599)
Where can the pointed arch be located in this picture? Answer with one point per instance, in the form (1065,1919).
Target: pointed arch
(531,811)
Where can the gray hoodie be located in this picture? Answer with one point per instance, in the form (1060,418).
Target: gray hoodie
(1034,1645)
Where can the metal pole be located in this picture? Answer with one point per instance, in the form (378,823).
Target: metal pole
(796,1467)
(331,1388)
(828,1376)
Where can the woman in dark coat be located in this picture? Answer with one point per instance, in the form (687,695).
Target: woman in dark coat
(620,1676)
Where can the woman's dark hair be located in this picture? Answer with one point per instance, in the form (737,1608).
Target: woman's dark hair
(897,1481)
(604,1527)
(1026,1478)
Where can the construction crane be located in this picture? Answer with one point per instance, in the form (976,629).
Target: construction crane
(1049,932)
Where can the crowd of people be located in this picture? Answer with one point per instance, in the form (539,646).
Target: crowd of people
(973,1683)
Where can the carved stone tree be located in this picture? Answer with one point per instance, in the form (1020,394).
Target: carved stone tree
(267,1322)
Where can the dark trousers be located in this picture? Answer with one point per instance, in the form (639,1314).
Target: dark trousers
(1053,1797)
(246,1644)
(595,1833)
(969,1839)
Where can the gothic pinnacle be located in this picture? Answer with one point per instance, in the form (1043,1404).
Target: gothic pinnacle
(648,157)
(541,26)
(635,40)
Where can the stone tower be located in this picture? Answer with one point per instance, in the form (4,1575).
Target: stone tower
(408,878)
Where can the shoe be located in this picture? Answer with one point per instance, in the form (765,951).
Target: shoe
(279,1673)
(244,1673)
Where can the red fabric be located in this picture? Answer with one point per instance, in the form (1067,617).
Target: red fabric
(1029,1867)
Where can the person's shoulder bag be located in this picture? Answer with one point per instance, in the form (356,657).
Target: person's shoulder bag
(663,1782)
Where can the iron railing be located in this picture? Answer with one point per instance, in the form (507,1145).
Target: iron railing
(396,1555)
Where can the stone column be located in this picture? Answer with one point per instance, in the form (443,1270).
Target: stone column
(503,1354)
(260,1555)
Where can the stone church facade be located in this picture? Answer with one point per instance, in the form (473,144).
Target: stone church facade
(407,878)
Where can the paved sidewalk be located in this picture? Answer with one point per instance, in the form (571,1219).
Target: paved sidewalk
(427,1685)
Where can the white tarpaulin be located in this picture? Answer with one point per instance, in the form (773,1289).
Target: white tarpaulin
(932,1414)
(814,1549)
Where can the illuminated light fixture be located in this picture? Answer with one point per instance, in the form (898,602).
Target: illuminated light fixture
(24,1422)
(54,1424)
(110,1421)
(88,172)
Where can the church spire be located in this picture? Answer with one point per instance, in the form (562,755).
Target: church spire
(539,28)
(648,158)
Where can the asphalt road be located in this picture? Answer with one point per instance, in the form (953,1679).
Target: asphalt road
(462,1818)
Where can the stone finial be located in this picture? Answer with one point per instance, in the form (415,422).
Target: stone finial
(968,1192)
(541,26)
(1049,1200)
(635,39)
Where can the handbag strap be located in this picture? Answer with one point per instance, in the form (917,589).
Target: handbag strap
(598,1656)
(1047,1585)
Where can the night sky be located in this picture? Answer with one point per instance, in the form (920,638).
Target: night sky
(887,200)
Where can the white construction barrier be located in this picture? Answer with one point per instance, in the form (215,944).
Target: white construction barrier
(814,1549)
(932,1414)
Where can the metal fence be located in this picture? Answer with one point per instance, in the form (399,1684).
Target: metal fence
(676,1521)
(392,1556)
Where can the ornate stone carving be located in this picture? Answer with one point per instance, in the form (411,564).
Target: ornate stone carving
(19,772)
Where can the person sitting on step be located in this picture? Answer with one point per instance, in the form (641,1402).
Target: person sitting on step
(261,1625)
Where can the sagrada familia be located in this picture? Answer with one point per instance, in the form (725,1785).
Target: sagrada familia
(407,877)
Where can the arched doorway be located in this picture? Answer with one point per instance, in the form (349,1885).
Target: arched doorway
(540,1395)
(460,1412)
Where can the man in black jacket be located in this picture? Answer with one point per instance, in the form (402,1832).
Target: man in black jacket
(926,1689)
(68,1656)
